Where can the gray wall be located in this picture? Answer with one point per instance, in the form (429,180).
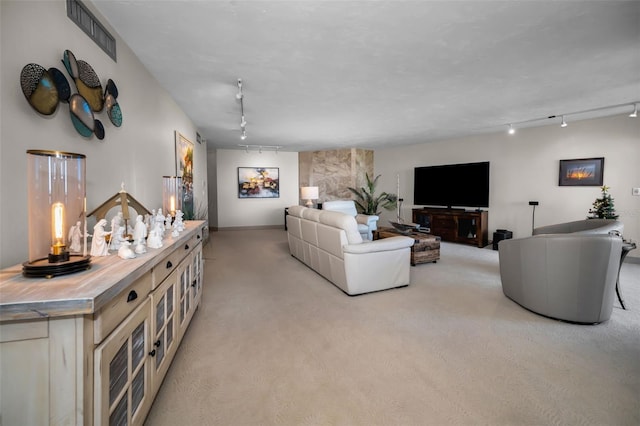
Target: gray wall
(139,153)
(525,167)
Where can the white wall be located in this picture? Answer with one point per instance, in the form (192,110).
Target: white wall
(139,153)
(239,212)
(525,167)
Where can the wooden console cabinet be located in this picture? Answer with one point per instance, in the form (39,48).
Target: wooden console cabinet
(455,225)
(92,348)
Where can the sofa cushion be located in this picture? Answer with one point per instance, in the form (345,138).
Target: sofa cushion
(296,211)
(343,221)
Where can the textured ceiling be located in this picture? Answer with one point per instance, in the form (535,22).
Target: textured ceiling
(370,74)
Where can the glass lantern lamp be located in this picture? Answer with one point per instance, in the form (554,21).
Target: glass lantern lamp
(171,195)
(56,214)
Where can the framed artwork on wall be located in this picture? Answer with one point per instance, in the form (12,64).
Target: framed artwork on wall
(258,182)
(184,169)
(581,172)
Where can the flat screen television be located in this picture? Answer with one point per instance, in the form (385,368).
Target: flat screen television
(452,185)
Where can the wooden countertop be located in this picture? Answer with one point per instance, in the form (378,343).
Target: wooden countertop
(82,292)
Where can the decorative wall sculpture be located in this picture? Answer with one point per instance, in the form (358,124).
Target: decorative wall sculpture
(45,89)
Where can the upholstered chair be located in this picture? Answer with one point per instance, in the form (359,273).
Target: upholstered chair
(366,223)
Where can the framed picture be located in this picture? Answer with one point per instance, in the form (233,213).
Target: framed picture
(258,182)
(581,172)
(184,169)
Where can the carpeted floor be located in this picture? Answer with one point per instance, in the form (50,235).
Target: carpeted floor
(274,343)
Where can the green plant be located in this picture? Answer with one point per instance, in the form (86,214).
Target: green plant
(603,207)
(368,203)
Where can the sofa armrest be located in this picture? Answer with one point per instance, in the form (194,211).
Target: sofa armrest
(369,220)
(385,244)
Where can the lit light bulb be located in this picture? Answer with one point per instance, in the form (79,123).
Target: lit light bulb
(634,114)
(511,129)
(564,123)
(243,136)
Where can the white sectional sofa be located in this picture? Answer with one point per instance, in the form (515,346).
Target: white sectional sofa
(330,244)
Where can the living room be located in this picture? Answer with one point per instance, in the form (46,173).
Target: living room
(524,167)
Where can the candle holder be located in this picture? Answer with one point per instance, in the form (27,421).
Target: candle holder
(171,195)
(56,214)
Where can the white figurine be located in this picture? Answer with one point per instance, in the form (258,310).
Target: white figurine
(159,222)
(140,235)
(75,238)
(116,221)
(125,251)
(99,245)
(167,221)
(117,238)
(178,224)
(155,238)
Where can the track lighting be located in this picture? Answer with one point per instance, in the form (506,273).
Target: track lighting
(260,148)
(243,122)
(526,123)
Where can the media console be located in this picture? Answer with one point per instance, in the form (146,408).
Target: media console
(455,225)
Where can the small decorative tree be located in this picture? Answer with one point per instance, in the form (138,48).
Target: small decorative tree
(603,207)
(368,203)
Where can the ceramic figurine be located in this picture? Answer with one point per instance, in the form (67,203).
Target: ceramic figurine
(75,238)
(117,238)
(139,235)
(155,239)
(125,251)
(167,221)
(178,223)
(99,246)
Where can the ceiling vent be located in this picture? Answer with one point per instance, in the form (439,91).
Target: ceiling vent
(78,13)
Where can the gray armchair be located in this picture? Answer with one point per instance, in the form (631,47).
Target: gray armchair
(566,276)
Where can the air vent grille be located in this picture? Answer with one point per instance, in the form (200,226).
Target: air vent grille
(78,13)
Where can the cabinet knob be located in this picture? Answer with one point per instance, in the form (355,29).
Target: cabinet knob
(169,264)
(186,246)
(198,236)
(132,296)
(157,344)
(193,284)
(152,353)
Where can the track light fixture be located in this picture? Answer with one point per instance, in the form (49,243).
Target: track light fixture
(564,123)
(524,123)
(259,148)
(243,122)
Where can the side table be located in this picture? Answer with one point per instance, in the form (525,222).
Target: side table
(627,246)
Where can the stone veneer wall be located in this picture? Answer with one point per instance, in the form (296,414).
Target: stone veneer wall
(333,171)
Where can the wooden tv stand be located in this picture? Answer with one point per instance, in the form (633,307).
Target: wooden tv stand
(455,225)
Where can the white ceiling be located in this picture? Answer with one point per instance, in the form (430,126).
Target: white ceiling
(370,74)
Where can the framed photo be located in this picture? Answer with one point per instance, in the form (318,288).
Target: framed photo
(258,182)
(184,169)
(581,172)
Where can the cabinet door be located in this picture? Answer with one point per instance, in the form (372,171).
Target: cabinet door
(196,279)
(163,326)
(184,294)
(122,393)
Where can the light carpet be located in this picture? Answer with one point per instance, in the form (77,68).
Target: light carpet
(274,343)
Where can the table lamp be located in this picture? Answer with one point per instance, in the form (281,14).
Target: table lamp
(309,193)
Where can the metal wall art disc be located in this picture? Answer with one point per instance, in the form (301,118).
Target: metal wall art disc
(64,90)
(39,88)
(89,86)
(111,89)
(99,129)
(113,110)
(81,115)
(70,63)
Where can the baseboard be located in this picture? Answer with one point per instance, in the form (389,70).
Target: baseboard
(245,228)
(635,260)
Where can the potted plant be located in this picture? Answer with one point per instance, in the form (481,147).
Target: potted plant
(603,207)
(369,203)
